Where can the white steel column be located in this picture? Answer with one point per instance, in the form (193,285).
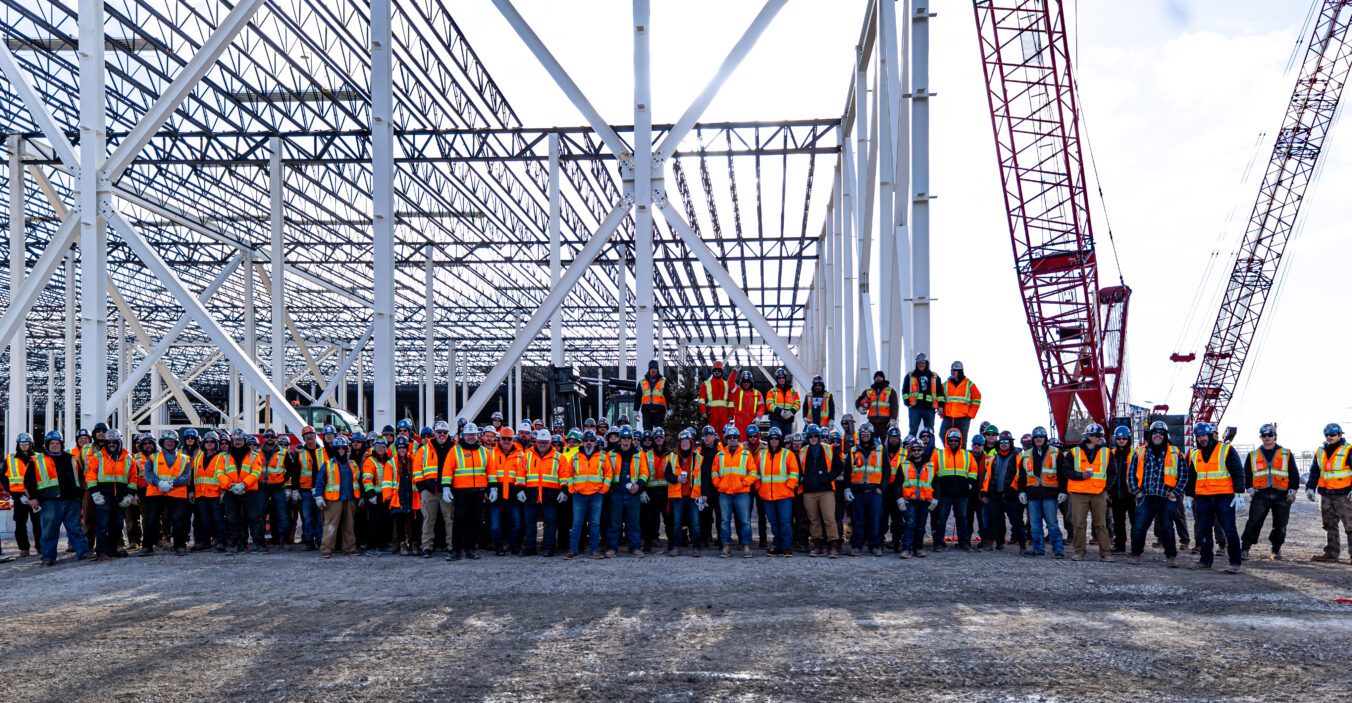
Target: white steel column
(430,334)
(643,190)
(382,166)
(277,189)
(250,344)
(452,383)
(49,414)
(920,217)
(92,187)
(621,316)
(837,317)
(849,286)
(902,200)
(18,270)
(518,408)
(360,365)
(159,417)
(890,333)
(68,399)
(555,250)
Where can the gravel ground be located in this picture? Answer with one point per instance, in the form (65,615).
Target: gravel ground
(954,626)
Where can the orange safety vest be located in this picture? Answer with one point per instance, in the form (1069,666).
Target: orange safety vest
(107,469)
(783,399)
(1213,478)
(373,472)
(506,468)
(918,485)
(913,393)
(204,471)
(46,472)
(587,475)
(169,473)
(333,481)
(1098,481)
(1334,473)
(819,409)
(956,464)
(389,484)
(868,469)
(16,469)
(470,469)
(961,400)
(1272,475)
(88,460)
(879,404)
(540,472)
(653,395)
(308,468)
(692,488)
(274,470)
(425,466)
(1047,479)
(710,402)
(736,475)
(1170,468)
(229,473)
(778,475)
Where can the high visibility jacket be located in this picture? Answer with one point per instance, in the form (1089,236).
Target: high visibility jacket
(333,481)
(747,405)
(1334,474)
(86,459)
(734,471)
(16,467)
(587,475)
(1010,478)
(389,484)
(469,467)
(204,468)
(657,468)
(868,466)
(713,394)
(1275,475)
(428,466)
(142,461)
(777,474)
(109,470)
(917,483)
(273,469)
(693,486)
(229,473)
(169,473)
(960,463)
(1170,467)
(1098,468)
(961,399)
(817,409)
(1213,478)
(506,469)
(1047,479)
(653,394)
(45,468)
(639,470)
(913,393)
(306,480)
(373,472)
(540,472)
(879,403)
(781,399)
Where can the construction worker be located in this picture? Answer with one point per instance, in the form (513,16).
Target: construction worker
(587,481)
(1121,503)
(922,393)
(402,497)
(465,485)
(1272,480)
(819,407)
(715,395)
(1000,496)
(747,403)
(706,456)
(25,520)
(820,467)
(504,514)
(1157,483)
(753,445)
(684,494)
(629,471)
(1216,480)
(960,403)
(915,482)
(404,428)
(142,451)
(782,403)
(540,493)
(337,491)
(976,515)
(653,512)
(168,476)
(238,478)
(111,490)
(431,464)
(735,475)
(377,465)
(893,515)
(305,462)
(84,454)
(1040,490)
(271,494)
(1084,469)
(206,495)
(878,403)
(954,483)
(870,469)
(651,400)
(776,485)
(843,439)
(1331,478)
(52,486)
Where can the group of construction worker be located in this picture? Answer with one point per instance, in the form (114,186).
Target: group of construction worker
(598,490)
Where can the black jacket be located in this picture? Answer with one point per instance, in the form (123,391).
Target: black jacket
(68,483)
(1119,463)
(815,472)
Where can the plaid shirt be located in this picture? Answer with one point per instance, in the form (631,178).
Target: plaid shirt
(1152,475)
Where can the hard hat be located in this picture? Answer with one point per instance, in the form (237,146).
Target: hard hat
(1006,436)
(556,438)
(100,427)
(745,376)
(1122,431)
(470,429)
(380,442)
(1094,430)
(957,366)
(709,431)
(893,432)
(307,430)
(461,422)
(495,416)
(238,434)
(990,429)
(834,434)
(977,440)
(817,381)
(589,422)
(781,373)
(401,442)
(189,433)
(659,432)
(113,436)
(796,437)
(574,436)
(718,365)
(1159,426)
(1039,432)
(425,432)
(506,432)
(406,424)
(1203,429)
(955,432)
(358,437)
(328,429)
(589,436)
(269,433)
(645,436)
(926,432)
(752,430)
(339,442)
(814,431)
(624,420)
(441,426)
(774,433)
(23,438)
(387,429)
(284,441)
(542,436)
(210,436)
(687,433)
(168,435)
(625,432)
(1333,428)
(922,357)
(1268,430)
(866,429)
(55,436)
(731,431)
(82,432)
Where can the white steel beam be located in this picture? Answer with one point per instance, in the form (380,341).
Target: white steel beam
(20,84)
(902,317)
(430,333)
(920,216)
(555,251)
(68,386)
(622,317)
(18,271)
(250,399)
(339,380)
(92,194)
(643,188)
(163,397)
(161,368)
(889,336)
(452,383)
(21,299)
(382,215)
(295,335)
(49,412)
(847,286)
(277,220)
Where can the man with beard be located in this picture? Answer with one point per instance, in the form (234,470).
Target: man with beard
(1157,482)
(431,464)
(878,403)
(586,479)
(111,491)
(960,403)
(1000,498)
(954,484)
(206,495)
(1216,481)
(168,475)
(870,466)
(465,485)
(819,408)
(654,513)
(715,407)
(304,464)
(782,403)
(271,494)
(1273,480)
(238,478)
(629,471)
(651,399)
(541,492)
(1085,472)
(52,487)
(337,490)
(922,391)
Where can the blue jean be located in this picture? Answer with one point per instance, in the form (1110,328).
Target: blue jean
(685,512)
(739,503)
(866,511)
(624,509)
(919,416)
(1147,509)
(502,522)
(1043,511)
(272,503)
(108,526)
(785,426)
(917,514)
(780,514)
(311,522)
(213,524)
(958,506)
(586,511)
(58,513)
(1211,510)
(533,512)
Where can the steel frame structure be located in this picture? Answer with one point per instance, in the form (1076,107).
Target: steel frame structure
(353,171)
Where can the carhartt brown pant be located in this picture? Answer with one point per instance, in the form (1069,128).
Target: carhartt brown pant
(339,515)
(1083,505)
(1334,509)
(821,514)
(432,505)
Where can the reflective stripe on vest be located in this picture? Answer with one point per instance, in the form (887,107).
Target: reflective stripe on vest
(16,469)
(1212,476)
(918,486)
(721,467)
(204,470)
(1272,475)
(1334,473)
(654,395)
(1170,468)
(913,390)
(276,467)
(961,470)
(657,472)
(588,475)
(170,473)
(879,404)
(781,473)
(818,408)
(1098,481)
(783,399)
(46,469)
(871,472)
(710,401)
(534,477)
(470,474)
(964,398)
(1048,477)
(307,469)
(110,470)
(333,481)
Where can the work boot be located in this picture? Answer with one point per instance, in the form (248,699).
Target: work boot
(764,544)
(875,551)
(964,547)
(674,552)
(918,554)
(905,555)
(219,549)
(610,553)
(1107,557)
(25,553)
(1171,562)
(833,551)
(786,553)
(104,557)
(502,552)
(1134,560)
(454,555)
(1233,568)
(1199,566)
(570,555)
(326,554)
(259,549)
(746,551)
(1077,557)
(1060,555)
(817,550)
(427,554)
(988,547)
(637,553)
(773,552)
(694,552)
(1321,557)
(727,552)
(181,551)
(1244,554)
(597,555)
(1277,553)
(472,554)
(145,551)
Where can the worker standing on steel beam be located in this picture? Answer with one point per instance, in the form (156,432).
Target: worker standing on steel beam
(878,403)
(782,403)
(1331,478)
(168,475)
(954,484)
(747,403)
(1041,490)
(715,406)
(1121,503)
(1084,469)
(1216,479)
(337,491)
(1157,481)
(111,488)
(1272,480)
(430,465)
(922,393)
(960,402)
(238,478)
(820,407)
(1000,497)
(52,487)
(651,399)
(206,495)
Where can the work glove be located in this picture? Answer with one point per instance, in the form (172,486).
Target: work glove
(23,499)
(934,504)
(492,495)
(1023,499)
(446,496)
(563,497)
(1291,496)
(629,487)
(1309,493)
(135,500)
(319,502)
(37,507)
(375,499)
(1239,502)
(164,486)
(238,489)
(1187,504)
(98,499)
(849,496)
(1249,492)
(1060,498)
(642,499)
(702,502)
(521,497)
(901,503)
(292,495)
(126,500)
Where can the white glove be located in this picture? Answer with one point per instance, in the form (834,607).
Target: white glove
(446,496)
(492,495)
(563,497)
(1249,492)
(521,497)
(849,496)
(98,499)
(702,502)
(126,500)
(644,498)
(238,489)
(629,486)
(1309,493)
(135,500)
(1291,496)
(292,495)
(1060,498)
(23,499)
(934,504)
(165,486)
(319,502)
(1023,498)
(1239,502)
(37,509)
(901,503)
(375,499)
(1187,503)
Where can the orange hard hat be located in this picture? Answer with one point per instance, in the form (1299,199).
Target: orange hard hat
(506,432)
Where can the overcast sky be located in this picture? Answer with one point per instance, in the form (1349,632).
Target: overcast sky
(1175,96)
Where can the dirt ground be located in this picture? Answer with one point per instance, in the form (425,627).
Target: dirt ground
(954,626)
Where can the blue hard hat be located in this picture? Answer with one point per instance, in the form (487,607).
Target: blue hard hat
(978,440)
(814,430)
(54,436)
(406,424)
(625,432)
(589,436)
(400,442)
(339,442)
(190,432)
(1203,429)
(358,436)
(328,429)
(752,430)
(1040,432)
(425,432)
(23,438)
(1122,432)
(1333,428)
